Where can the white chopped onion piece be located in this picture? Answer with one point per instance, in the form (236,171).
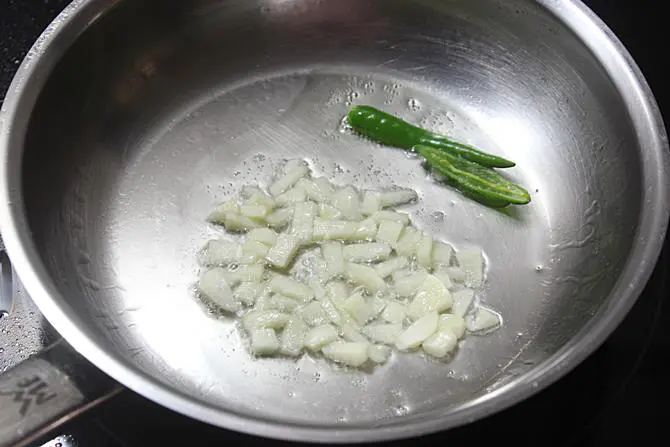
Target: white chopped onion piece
(347,353)
(280,218)
(282,253)
(417,332)
(387,268)
(252,211)
(398,197)
(383,333)
(315,284)
(293,336)
(472,264)
(379,353)
(462,301)
(337,291)
(218,215)
(348,202)
(292,196)
(455,274)
(264,342)
(248,292)
(237,223)
(282,303)
(253,251)
(314,314)
(389,232)
(332,253)
(430,296)
(245,273)
(329,212)
(320,336)
(442,254)
(365,276)
(392,216)
(343,230)
(263,235)
(440,344)
(331,311)
(482,320)
(424,251)
(359,308)
(314,191)
(290,178)
(220,252)
(256,196)
(394,312)
(350,333)
(215,286)
(291,288)
(407,285)
(366,252)
(443,276)
(261,319)
(453,323)
(324,185)
(408,242)
(303,221)
(371,202)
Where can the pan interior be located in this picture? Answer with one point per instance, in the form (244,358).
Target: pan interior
(161,110)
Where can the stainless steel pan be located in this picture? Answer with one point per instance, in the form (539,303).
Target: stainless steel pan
(130,119)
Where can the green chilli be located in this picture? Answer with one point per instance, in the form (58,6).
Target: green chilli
(390,130)
(474,179)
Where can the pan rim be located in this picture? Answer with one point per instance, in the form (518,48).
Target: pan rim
(605,46)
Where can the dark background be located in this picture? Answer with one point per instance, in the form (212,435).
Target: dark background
(615,397)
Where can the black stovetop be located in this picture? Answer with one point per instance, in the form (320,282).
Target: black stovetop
(616,396)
